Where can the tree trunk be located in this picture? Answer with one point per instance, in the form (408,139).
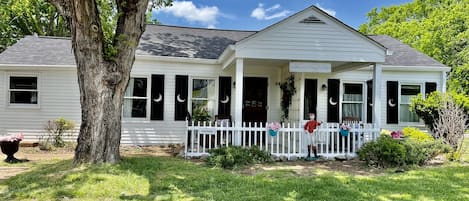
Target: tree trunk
(102,80)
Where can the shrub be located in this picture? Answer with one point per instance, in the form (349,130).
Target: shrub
(56,130)
(235,156)
(451,124)
(419,152)
(416,134)
(387,152)
(427,108)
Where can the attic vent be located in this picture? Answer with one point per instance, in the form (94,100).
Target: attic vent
(312,19)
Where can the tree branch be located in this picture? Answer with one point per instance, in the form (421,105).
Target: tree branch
(130,26)
(63,7)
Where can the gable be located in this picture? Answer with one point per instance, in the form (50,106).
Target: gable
(311,35)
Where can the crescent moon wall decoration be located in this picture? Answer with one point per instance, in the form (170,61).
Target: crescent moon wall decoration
(179,99)
(159,99)
(332,102)
(227,99)
(390,103)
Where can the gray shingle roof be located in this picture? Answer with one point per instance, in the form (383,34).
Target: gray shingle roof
(403,54)
(159,40)
(39,51)
(187,42)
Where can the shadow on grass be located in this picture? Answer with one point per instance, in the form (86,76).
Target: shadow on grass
(161,178)
(174,179)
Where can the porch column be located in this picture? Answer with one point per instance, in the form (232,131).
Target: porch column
(377,71)
(238,109)
(443,81)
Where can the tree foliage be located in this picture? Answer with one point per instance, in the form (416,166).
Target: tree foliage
(438,28)
(26,17)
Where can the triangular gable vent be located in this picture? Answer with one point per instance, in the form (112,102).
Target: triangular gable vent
(312,19)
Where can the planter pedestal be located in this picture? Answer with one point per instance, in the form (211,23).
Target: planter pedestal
(9,149)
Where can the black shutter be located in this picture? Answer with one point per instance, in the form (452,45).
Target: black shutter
(430,87)
(311,100)
(224,96)
(157,97)
(180,97)
(392,102)
(369,101)
(333,103)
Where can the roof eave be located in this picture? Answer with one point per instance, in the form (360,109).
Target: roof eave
(416,68)
(176,59)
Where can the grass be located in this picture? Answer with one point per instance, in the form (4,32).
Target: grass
(465,150)
(160,178)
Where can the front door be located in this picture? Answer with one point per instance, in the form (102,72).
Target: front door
(255,100)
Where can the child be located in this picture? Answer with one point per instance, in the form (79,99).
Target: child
(309,127)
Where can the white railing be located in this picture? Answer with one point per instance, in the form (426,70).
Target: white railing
(291,140)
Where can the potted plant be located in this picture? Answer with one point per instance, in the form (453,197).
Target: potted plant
(344,130)
(201,114)
(10,145)
(273,128)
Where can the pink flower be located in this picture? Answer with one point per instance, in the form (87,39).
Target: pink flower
(396,134)
(345,127)
(12,138)
(275,126)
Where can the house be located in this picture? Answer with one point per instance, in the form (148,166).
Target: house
(339,74)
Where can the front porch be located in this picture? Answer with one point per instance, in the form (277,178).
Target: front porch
(290,141)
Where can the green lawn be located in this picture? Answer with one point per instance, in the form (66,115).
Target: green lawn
(159,178)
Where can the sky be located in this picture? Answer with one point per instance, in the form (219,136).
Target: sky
(256,15)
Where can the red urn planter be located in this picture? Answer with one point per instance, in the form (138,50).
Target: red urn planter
(9,149)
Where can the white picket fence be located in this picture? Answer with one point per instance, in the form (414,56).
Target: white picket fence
(291,140)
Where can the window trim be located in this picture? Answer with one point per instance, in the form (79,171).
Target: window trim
(189,93)
(422,91)
(23,105)
(363,102)
(147,98)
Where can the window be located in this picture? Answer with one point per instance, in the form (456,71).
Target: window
(203,95)
(407,92)
(23,90)
(135,99)
(352,104)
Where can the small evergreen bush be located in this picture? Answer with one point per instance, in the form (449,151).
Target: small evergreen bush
(233,157)
(387,152)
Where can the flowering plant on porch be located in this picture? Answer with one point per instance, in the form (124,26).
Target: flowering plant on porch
(344,129)
(273,128)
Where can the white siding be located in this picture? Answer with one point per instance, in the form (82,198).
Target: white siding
(362,76)
(58,97)
(292,40)
(170,131)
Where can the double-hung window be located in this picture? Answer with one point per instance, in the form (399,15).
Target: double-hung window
(135,98)
(352,104)
(407,92)
(23,90)
(203,95)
